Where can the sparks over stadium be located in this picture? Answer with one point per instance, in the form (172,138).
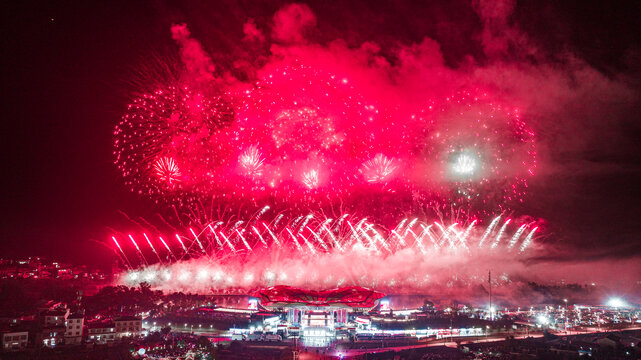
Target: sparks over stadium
(427,183)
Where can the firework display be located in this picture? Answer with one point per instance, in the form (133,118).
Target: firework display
(423,180)
(301,136)
(163,134)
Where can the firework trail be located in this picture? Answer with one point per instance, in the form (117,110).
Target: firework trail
(198,241)
(254,235)
(489,230)
(516,235)
(151,246)
(528,240)
(274,247)
(468,230)
(168,248)
(181,244)
(501,231)
(140,254)
(122,252)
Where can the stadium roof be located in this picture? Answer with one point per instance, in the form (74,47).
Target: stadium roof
(353,296)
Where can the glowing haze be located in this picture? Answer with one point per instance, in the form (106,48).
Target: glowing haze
(404,163)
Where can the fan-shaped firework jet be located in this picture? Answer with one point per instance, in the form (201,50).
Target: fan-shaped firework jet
(314,240)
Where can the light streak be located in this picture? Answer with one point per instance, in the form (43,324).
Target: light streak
(197,240)
(489,230)
(501,231)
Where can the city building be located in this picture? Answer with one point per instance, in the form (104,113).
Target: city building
(101,332)
(317,315)
(128,326)
(73,332)
(53,326)
(50,336)
(55,317)
(14,339)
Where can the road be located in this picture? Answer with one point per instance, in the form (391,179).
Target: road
(463,341)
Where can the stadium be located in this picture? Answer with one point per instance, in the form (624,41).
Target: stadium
(318,318)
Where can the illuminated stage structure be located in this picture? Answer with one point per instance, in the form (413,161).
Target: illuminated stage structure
(318,315)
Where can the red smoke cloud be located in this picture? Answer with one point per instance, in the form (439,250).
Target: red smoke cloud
(198,64)
(291,22)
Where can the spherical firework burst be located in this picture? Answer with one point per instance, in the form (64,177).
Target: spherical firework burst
(170,142)
(167,170)
(310,179)
(478,155)
(465,164)
(251,160)
(379,169)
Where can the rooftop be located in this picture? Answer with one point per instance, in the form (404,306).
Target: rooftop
(127,318)
(353,296)
(100,324)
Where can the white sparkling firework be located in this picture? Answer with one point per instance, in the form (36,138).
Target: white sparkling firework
(379,168)
(465,164)
(167,170)
(310,179)
(251,160)
(309,243)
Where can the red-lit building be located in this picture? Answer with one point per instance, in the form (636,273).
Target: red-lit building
(317,313)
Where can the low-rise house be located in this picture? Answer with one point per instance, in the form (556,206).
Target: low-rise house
(101,332)
(55,317)
(50,336)
(128,326)
(14,339)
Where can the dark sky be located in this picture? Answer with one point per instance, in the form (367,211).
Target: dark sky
(67,69)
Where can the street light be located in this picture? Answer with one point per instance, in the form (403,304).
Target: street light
(616,302)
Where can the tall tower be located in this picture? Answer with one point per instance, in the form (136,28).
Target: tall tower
(489,282)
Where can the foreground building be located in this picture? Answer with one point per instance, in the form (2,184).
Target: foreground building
(318,316)
(128,326)
(101,332)
(73,333)
(14,339)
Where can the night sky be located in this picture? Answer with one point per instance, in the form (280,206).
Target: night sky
(70,69)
